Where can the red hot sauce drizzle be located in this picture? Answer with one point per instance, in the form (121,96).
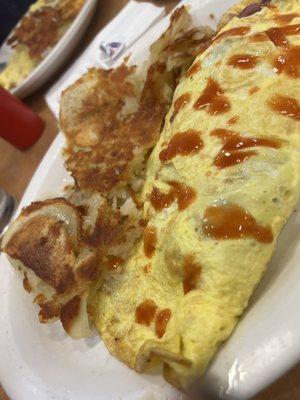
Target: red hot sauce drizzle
(233,142)
(243,61)
(196,67)
(114,262)
(240,31)
(285,18)
(233,222)
(150,241)
(288,62)
(277,37)
(185,195)
(179,104)
(145,312)
(160,200)
(286,106)
(182,143)
(213,99)
(289,59)
(161,321)
(191,273)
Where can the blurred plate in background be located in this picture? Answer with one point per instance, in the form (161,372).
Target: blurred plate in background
(56,57)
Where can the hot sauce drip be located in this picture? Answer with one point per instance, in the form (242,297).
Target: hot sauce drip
(277,37)
(150,240)
(160,200)
(240,31)
(233,222)
(233,142)
(213,99)
(285,105)
(161,322)
(145,312)
(288,62)
(243,61)
(228,159)
(114,262)
(196,67)
(285,18)
(182,143)
(191,273)
(179,104)
(289,59)
(184,195)
(290,30)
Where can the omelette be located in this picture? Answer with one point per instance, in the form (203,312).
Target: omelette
(213,195)
(220,184)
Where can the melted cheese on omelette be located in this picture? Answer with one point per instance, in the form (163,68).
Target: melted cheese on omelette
(221,182)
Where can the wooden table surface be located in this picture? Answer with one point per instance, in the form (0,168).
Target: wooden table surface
(17,168)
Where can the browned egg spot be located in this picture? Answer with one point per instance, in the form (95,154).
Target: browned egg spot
(147,268)
(243,61)
(233,120)
(150,240)
(196,67)
(233,142)
(213,99)
(161,322)
(145,312)
(179,104)
(233,222)
(253,90)
(286,106)
(182,143)
(191,273)
(26,283)
(258,37)
(184,195)
(69,312)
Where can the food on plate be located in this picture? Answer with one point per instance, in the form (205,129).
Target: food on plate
(35,35)
(181,234)
(111,119)
(44,245)
(221,182)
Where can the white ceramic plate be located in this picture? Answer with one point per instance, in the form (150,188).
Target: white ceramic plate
(39,362)
(56,56)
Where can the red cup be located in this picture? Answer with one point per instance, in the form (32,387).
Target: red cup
(18,124)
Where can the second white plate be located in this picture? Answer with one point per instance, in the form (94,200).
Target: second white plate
(56,57)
